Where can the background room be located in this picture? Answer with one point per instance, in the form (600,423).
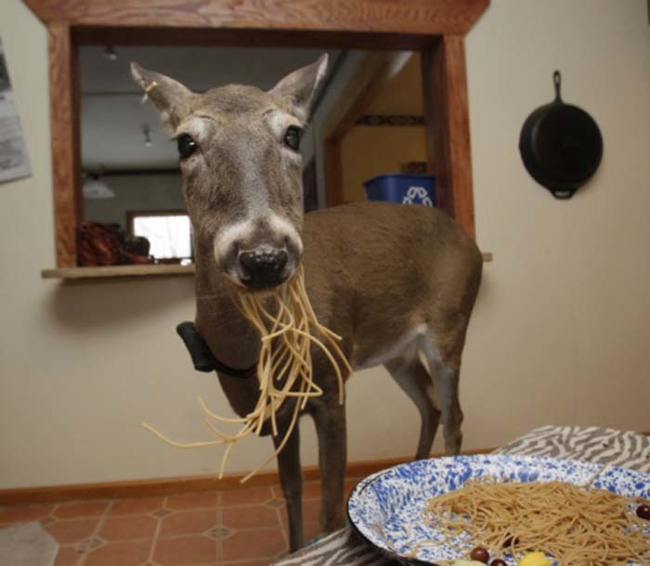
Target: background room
(559,332)
(130,163)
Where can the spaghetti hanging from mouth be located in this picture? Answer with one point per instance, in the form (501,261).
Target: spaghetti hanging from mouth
(288,328)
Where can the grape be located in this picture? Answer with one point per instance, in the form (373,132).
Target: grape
(480,554)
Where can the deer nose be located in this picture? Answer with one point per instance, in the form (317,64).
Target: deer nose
(263,269)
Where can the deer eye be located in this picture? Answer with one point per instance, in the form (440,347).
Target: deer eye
(292,137)
(186,145)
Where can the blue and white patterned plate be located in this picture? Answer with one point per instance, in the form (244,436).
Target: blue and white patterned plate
(385,507)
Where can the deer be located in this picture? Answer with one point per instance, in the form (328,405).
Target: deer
(397,283)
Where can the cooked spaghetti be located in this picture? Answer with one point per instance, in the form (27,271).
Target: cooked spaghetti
(288,328)
(574,524)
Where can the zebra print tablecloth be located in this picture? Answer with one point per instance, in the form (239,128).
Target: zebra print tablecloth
(625,449)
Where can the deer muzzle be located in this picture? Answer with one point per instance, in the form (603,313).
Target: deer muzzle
(263,267)
(258,253)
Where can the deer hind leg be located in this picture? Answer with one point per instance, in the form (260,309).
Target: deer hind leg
(415,381)
(332,459)
(445,375)
(291,480)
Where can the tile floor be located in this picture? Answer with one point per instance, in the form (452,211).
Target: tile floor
(243,527)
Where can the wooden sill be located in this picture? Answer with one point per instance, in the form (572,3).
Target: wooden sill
(134,271)
(117,272)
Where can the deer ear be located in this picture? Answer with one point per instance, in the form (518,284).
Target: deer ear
(299,87)
(164,92)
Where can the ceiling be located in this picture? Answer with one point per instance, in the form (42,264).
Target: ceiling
(113,117)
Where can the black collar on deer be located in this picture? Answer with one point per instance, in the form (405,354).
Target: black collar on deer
(203,358)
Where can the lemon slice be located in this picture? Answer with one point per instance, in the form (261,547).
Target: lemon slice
(535,559)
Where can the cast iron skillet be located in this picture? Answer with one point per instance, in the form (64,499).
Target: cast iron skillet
(560,145)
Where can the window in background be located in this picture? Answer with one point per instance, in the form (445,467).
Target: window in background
(169,234)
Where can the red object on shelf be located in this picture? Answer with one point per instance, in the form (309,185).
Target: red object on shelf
(99,244)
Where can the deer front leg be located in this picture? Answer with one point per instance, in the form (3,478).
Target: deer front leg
(332,459)
(291,480)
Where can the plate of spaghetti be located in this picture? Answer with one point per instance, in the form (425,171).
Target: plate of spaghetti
(439,511)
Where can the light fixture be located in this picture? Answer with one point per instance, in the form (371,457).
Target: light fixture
(147,135)
(95,188)
(110,53)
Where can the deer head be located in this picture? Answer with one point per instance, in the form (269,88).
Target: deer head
(241,169)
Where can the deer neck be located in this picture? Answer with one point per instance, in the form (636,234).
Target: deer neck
(229,335)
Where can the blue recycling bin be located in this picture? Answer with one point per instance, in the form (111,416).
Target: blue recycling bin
(403,189)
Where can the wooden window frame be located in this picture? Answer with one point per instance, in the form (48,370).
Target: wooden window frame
(436,28)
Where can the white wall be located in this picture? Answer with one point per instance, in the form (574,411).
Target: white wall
(560,332)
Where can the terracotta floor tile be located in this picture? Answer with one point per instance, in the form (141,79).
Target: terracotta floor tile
(71,531)
(256,532)
(129,527)
(197,500)
(310,511)
(254,544)
(185,551)
(246,496)
(81,509)
(189,523)
(249,517)
(25,513)
(136,506)
(310,490)
(311,529)
(120,554)
(350,483)
(67,556)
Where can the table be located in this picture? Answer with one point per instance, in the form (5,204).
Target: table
(592,444)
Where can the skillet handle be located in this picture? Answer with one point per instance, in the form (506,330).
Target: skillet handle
(557,81)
